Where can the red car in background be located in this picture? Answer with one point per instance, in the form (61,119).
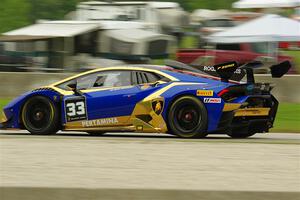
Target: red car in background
(289,45)
(241,53)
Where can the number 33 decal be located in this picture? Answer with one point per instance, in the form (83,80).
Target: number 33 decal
(75,109)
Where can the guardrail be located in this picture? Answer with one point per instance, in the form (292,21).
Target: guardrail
(13,84)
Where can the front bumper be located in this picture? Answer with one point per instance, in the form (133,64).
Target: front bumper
(3,117)
(3,120)
(2,126)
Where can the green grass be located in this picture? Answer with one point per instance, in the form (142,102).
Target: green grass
(287,119)
(4,102)
(189,42)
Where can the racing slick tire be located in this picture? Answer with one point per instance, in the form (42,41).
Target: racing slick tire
(40,116)
(96,133)
(187,118)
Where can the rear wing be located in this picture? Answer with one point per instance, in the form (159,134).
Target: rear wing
(231,70)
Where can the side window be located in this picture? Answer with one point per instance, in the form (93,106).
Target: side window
(83,82)
(134,78)
(151,77)
(113,79)
(101,79)
(145,77)
(140,78)
(86,82)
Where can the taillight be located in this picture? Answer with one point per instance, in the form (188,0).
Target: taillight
(225,94)
(222,92)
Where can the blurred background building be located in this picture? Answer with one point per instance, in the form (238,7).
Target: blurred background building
(58,36)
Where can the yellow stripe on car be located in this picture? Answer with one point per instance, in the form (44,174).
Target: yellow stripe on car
(231,106)
(161,91)
(252,112)
(118,68)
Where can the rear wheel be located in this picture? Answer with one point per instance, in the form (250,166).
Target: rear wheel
(187,118)
(40,116)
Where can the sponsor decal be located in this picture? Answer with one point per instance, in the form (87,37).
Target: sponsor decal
(99,122)
(75,109)
(238,71)
(209,68)
(205,93)
(212,100)
(157,106)
(226,66)
(212,69)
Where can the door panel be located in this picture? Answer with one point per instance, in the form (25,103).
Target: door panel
(111,103)
(107,99)
(115,102)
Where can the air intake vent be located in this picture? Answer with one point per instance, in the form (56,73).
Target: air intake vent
(43,89)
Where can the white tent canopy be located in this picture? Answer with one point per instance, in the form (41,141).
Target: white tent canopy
(266,3)
(268,28)
(55,29)
(133,35)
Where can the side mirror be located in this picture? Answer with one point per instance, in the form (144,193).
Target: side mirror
(73,86)
(155,84)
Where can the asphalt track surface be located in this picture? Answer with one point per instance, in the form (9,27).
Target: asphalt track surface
(148,166)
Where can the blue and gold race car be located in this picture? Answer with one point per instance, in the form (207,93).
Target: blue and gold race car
(175,99)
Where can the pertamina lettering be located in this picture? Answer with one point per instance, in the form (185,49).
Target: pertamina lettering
(99,122)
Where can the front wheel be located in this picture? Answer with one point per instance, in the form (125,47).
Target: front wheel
(40,116)
(187,118)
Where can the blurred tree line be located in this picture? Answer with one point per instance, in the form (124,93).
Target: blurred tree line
(18,13)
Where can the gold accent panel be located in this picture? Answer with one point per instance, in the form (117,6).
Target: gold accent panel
(97,124)
(107,128)
(156,124)
(252,112)
(141,126)
(231,106)
(3,117)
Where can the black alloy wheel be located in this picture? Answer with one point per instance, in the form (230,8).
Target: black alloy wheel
(40,116)
(187,118)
